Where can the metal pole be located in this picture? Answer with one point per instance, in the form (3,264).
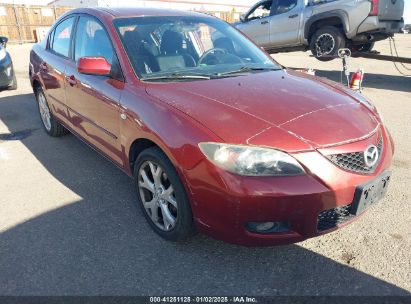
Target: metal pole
(54,9)
(17,23)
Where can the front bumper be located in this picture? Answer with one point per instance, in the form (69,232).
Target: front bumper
(224,203)
(6,72)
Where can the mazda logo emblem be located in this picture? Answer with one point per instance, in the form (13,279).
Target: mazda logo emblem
(371,156)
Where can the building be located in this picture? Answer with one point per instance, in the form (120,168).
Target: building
(199,5)
(75,3)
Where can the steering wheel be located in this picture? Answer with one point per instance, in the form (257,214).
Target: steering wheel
(212,51)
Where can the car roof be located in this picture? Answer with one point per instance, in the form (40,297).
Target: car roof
(127,12)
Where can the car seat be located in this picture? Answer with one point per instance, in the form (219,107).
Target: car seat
(142,60)
(172,55)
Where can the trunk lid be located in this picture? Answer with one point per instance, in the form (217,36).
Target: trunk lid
(390,9)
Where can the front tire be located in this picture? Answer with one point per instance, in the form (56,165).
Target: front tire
(50,124)
(326,42)
(162,196)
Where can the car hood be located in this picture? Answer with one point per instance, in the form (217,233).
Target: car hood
(283,109)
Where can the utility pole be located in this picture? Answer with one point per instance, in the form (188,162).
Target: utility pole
(17,22)
(54,10)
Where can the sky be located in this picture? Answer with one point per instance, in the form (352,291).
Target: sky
(407,11)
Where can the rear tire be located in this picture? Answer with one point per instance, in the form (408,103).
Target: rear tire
(157,201)
(50,124)
(326,42)
(365,48)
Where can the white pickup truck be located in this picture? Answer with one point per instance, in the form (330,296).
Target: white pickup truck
(322,26)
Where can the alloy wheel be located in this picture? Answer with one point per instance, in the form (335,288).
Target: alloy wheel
(325,44)
(44,111)
(157,195)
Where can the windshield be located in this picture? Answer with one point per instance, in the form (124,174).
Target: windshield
(189,48)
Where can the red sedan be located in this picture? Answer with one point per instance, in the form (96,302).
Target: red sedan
(219,138)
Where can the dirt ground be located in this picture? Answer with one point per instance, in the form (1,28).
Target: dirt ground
(68,224)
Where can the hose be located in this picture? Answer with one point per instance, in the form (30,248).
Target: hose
(392,43)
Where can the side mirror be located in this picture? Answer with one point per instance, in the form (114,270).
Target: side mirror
(4,40)
(242,18)
(94,66)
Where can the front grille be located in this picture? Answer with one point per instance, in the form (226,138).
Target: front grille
(329,219)
(354,161)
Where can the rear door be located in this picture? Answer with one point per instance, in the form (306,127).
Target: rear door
(53,66)
(93,100)
(285,24)
(256,23)
(391,9)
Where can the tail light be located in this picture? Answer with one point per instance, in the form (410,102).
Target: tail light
(374,8)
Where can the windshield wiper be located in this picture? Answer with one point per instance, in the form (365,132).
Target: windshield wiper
(179,76)
(246,69)
(176,76)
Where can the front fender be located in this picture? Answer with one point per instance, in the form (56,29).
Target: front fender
(173,131)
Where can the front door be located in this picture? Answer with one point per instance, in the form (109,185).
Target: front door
(256,23)
(93,101)
(53,67)
(285,23)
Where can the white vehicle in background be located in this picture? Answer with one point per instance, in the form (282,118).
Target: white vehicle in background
(324,26)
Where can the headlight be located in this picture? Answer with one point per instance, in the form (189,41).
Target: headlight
(2,53)
(251,161)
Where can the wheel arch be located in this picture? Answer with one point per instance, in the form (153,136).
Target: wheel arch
(183,156)
(336,18)
(138,146)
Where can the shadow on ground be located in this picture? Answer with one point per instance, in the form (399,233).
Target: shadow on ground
(376,81)
(101,244)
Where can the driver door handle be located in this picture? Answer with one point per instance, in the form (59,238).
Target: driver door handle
(265,22)
(293,16)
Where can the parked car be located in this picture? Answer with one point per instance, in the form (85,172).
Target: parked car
(8,79)
(406,29)
(218,137)
(323,27)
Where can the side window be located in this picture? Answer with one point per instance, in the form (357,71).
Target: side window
(285,6)
(92,40)
(60,42)
(261,11)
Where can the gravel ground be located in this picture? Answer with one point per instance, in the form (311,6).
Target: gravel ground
(69,225)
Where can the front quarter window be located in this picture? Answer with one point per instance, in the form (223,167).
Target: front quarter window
(92,40)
